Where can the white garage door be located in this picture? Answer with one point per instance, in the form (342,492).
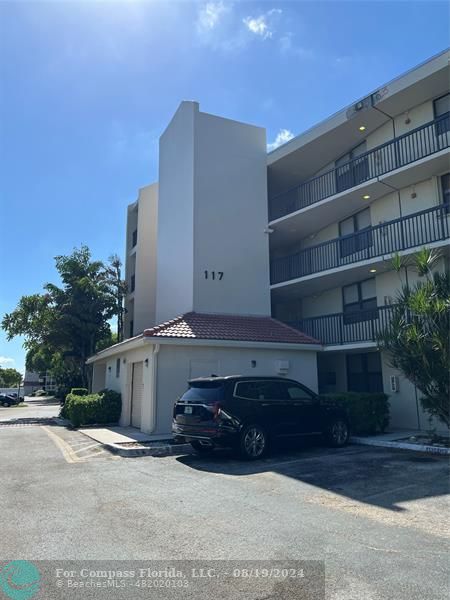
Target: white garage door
(137,391)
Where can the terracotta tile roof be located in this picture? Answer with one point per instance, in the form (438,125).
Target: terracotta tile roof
(229,327)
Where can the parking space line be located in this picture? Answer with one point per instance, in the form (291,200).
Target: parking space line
(67,452)
(82,449)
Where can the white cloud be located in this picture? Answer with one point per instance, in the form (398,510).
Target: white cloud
(262,25)
(7,362)
(210,14)
(283,136)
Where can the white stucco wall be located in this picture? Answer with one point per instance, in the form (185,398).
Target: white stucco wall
(213,254)
(323,303)
(230,215)
(146,260)
(175,252)
(177,364)
(406,408)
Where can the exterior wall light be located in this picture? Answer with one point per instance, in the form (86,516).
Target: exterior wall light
(109,368)
(372,271)
(362,128)
(253,363)
(146,362)
(366,197)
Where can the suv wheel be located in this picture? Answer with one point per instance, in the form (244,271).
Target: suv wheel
(202,448)
(4,403)
(338,433)
(253,442)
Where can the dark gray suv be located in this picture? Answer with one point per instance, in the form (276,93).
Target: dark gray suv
(247,413)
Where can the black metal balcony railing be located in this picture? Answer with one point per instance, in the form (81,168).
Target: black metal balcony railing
(399,152)
(417,229)
(347,328)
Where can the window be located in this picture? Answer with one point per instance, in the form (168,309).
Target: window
(208,393)
(360,222)
(134,239)
(441,108)
(360,302)
(364,372)
(260,390)
(299,393)
(118,367)
(445,190)
(131,328)
(133,283)
(352,170)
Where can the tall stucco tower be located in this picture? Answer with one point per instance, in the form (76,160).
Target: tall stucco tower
(212,243)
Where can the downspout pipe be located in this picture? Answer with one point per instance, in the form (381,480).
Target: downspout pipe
(153,386)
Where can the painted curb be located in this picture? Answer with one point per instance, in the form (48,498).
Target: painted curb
(401,446)
(166,450)
(63,422)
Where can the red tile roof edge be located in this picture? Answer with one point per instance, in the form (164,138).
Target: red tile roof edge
(154,331)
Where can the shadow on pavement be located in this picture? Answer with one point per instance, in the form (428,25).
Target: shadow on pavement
(376,476)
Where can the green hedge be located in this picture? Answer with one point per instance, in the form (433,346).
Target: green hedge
(79,391)
(367,413)
(102,408)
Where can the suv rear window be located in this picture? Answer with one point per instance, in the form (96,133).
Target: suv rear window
(261,390)
(206,393)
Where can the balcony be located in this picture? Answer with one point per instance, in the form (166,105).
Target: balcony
(412,231)
(347,328)
(429,139)
(132,283)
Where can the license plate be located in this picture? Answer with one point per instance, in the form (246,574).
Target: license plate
(188,410)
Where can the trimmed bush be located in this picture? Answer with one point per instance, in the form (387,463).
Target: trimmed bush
(367,413)
(79,391)
(92,409)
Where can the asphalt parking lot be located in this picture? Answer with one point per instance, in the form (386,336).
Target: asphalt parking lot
(376,518)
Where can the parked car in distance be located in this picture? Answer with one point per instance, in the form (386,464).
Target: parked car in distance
(7,400)
(248,413)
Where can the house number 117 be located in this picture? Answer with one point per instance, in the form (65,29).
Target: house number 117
(214,275)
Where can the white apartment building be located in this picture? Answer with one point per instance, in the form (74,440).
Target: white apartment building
(304,234)
(371,181)
(197,267)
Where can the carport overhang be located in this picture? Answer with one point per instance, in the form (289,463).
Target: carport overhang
(297,160)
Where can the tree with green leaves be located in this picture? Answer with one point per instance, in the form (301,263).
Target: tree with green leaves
(9,377)
(66,324)
(417,340)
(118,288)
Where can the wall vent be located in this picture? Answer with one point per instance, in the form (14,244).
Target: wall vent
(282,367)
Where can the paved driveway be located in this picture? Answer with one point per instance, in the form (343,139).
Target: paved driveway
(376,517)
(35,408)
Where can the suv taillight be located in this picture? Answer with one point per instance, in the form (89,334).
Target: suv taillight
(216,409)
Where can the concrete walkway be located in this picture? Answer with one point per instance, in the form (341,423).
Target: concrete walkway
(120,435)
(129,441)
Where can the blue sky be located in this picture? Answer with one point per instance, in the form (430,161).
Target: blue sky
(86,88)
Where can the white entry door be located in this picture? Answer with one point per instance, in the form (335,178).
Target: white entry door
(137,392)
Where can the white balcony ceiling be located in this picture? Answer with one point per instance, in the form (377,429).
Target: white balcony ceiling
(301,158)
